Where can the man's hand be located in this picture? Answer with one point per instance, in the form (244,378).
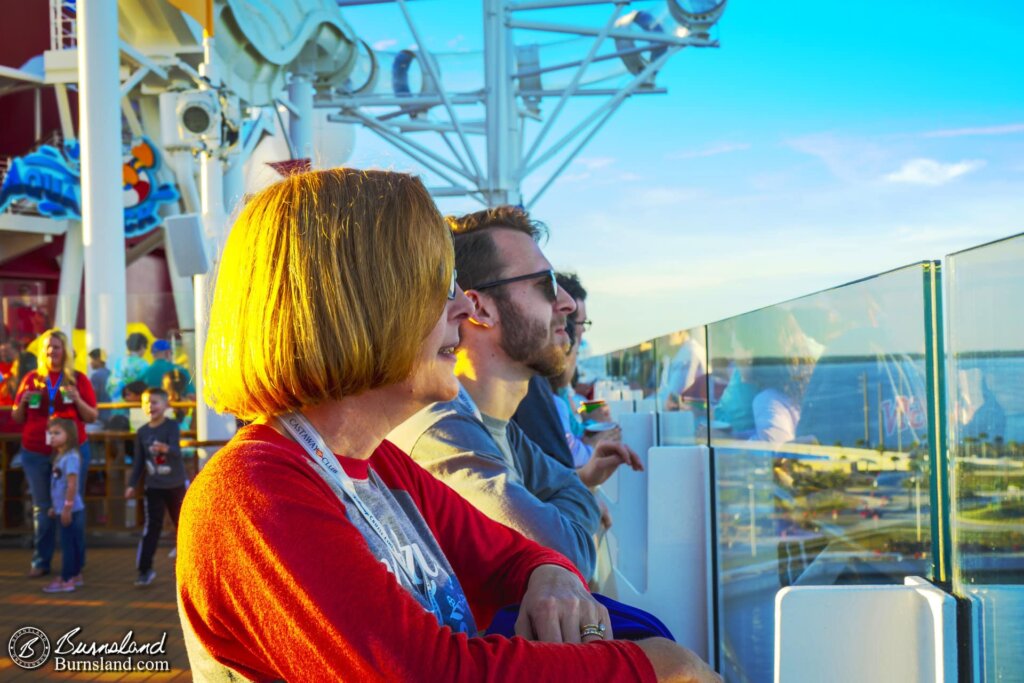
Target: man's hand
(129,492)
(673,663)
(594,438)
(557,606)
(65,516)
(606,515)
(608,455)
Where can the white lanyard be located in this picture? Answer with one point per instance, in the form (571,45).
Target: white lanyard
(305,433)
(309,438)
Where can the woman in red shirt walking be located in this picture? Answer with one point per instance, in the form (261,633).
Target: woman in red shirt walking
(55,389)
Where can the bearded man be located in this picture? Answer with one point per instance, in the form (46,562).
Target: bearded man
(517,330)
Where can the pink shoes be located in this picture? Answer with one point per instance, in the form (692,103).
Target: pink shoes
(58,586)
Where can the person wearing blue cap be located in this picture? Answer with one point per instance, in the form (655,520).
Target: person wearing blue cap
(162,364)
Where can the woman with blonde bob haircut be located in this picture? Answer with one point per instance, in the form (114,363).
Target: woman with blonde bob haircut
(310,548)
(53,389)
(328,284)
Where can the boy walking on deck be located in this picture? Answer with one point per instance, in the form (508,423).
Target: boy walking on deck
(157,450)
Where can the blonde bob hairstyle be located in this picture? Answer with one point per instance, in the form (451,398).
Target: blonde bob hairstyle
(67,367)
(328,285)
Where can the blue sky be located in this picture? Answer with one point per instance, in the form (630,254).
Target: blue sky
(821,143)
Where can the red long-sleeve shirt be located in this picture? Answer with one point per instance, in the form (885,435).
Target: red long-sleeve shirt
(33,435)
(276,582)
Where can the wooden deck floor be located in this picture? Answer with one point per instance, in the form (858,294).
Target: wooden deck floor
(106,608)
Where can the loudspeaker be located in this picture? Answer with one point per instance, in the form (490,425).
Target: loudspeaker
(183,235)
(190,119)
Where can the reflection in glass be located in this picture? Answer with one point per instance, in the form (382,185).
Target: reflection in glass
(820,446)
(637,368)
(683,382)
(986,425)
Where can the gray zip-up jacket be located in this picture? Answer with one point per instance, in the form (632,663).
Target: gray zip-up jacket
(496,467)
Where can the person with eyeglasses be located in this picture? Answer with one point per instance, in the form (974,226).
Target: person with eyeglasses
(313,549)
(517,330)
(548,414)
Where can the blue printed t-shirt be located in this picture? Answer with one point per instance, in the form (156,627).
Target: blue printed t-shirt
(64,465)
(427,575)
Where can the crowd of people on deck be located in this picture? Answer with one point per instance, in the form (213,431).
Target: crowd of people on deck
(54,408)
(412,495)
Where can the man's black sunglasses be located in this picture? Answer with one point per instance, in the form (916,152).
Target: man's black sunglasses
(551,293)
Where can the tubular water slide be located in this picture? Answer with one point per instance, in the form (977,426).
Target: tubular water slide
(256,43)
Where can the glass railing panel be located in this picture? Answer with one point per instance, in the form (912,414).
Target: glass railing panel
(591,368)
(820,443)
(683,385)
(985,382)
(635,370)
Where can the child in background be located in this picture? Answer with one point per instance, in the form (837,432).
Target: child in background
(157,449)
(62,435)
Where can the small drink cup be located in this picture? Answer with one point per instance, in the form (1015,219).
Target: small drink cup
(35,399)
(593,406)
(65,397)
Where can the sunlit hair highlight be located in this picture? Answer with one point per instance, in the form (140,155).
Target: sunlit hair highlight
(329,282)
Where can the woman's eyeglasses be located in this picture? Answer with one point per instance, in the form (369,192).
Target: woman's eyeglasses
(453,285)
(585,324)
(550,292)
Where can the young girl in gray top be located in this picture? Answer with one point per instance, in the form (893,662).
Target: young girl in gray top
(66,503)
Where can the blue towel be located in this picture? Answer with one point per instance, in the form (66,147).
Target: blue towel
(628,623)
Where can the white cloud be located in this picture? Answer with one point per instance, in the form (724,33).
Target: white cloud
(849,159)
(583,168)
(385,44)
(932,172)
(1008,129)
(714,150)
(456,41)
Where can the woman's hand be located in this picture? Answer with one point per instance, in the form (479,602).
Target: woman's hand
(85,411)
(18,413)
(65,516)
(557,606)
(51,513)
(673,663)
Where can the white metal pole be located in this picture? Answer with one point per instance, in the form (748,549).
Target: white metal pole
(503,125)
(71,266)
(210,425)
(182,286)
(102,201)
(300,121)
